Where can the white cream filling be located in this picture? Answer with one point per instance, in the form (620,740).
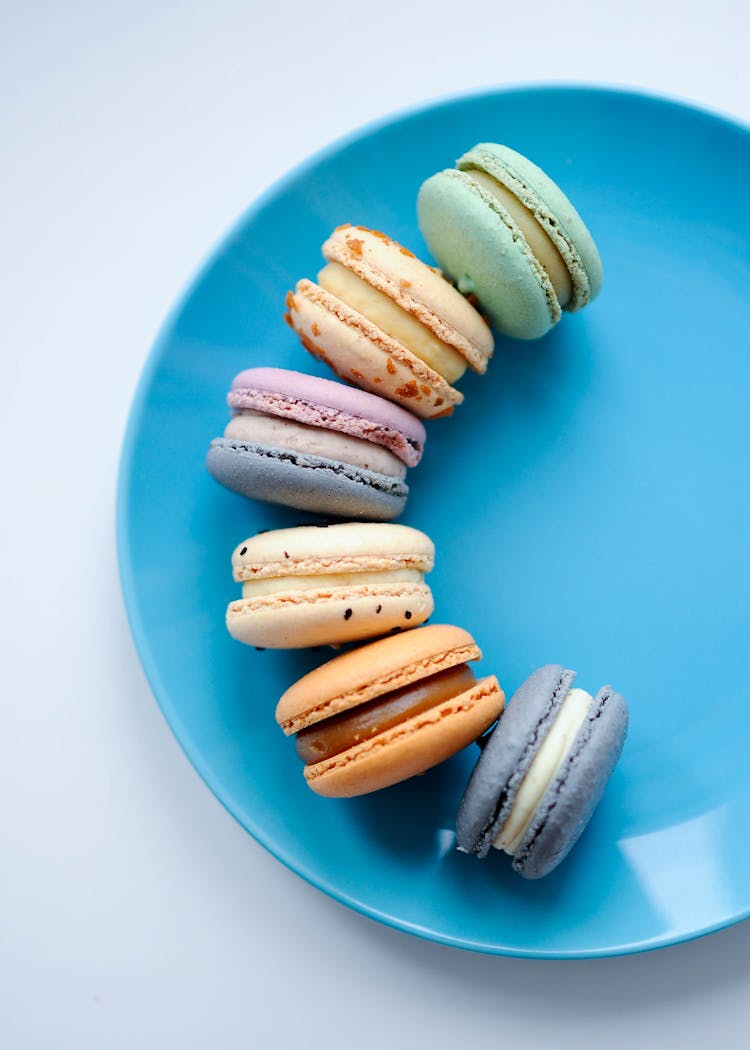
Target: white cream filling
(536,236)
(396,322)
(301,437)
(323,581)
(549,758)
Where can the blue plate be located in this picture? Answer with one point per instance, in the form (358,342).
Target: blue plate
(590,504)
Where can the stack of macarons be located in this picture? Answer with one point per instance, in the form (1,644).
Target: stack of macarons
(401,334)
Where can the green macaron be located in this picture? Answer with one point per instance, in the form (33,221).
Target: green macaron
(507,234)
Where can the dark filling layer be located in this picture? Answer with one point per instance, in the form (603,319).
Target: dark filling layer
(334,735)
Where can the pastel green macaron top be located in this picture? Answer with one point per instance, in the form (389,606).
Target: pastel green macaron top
(479,244)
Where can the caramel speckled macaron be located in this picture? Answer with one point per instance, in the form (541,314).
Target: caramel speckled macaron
(392,709)
(387,322)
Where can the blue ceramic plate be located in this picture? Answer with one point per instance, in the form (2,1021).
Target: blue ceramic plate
(590,504)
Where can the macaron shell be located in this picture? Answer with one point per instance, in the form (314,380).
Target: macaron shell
(360,352)
(507,755)
(417,288)
(479,245)
(305,481)
(551,208)
(297,619)
(347,547)
(410,748)
(364,674)
(569,802)
(330,405)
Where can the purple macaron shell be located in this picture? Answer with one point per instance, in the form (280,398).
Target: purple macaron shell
(323,402)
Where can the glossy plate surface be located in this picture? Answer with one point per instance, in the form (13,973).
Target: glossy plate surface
(590,504)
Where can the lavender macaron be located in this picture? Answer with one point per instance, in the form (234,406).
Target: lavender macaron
(316,445)
(542,771)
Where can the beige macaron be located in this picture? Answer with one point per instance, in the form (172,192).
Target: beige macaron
(384,320)
(389,710)
(323,585)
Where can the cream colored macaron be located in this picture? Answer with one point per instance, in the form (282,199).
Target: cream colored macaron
(384,320)
(389,710)
(322,585)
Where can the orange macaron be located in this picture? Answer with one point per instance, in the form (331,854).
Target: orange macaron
(380,714)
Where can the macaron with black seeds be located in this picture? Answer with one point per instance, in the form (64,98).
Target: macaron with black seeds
(542,771)
(309,586)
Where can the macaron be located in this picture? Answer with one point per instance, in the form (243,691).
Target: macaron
(323,585)
(389,710)
(506,233)
(316,445)
(542,771)
(385,321)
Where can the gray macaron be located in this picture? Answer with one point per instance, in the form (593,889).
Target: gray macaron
(305,481)
(572,794)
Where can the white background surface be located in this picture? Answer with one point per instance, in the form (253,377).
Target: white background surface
(133,911)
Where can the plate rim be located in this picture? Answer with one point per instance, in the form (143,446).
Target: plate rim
(128,584)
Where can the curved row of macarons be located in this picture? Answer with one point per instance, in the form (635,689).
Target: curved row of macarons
(395,328)
(393,708)
(398,330)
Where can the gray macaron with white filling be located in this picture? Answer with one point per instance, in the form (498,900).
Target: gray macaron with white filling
(542,771)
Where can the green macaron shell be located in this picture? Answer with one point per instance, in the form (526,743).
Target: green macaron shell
(550,207)
(478,245)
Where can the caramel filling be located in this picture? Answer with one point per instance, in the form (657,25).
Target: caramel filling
(334,735)
(536,236)
(392,319)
